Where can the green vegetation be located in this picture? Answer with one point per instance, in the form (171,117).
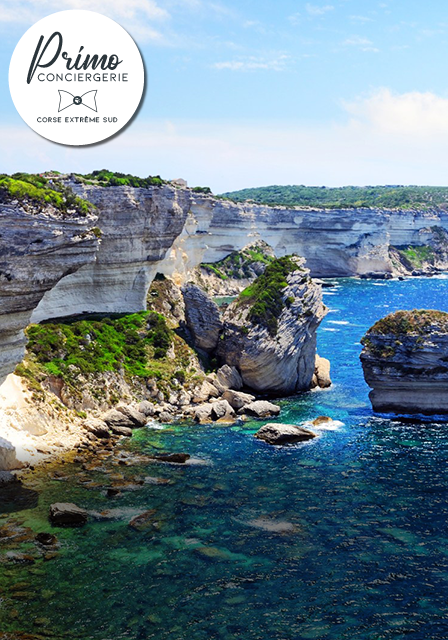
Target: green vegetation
(134,345)
(205,190)
(93,345)
(417,256)
(238,264)
(391,196)
(106,178)
(265,295)
(38,190)
(420,322)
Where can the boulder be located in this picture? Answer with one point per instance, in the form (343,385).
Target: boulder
(8,459)
(280,434)
(67,514)
(260,409)
(237,399)
(98,427)
(272,342)
(136,417)
(228,377)
(203,413)
(121,431)
(322,372)
(202,317)
(221,410)
(206,390)
(146,408)
(124,416)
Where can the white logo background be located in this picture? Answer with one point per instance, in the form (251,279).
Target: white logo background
(52,107)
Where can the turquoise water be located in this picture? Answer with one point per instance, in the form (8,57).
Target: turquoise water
(361,546)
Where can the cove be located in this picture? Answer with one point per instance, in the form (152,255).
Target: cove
(342,538)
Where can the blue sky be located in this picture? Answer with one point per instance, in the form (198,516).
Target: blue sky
(252,92)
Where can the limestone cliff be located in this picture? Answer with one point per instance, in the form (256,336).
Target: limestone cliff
(51,266)
(270,330)
(37,248)
(405,362)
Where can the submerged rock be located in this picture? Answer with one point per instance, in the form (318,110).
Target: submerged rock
(405,362)
(174,458)
(279,434)
(67,514)
(270,329)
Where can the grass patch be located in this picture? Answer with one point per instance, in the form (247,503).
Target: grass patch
(91,346)
(417,256)
(38,190)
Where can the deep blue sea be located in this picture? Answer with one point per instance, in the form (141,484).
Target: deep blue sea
(343,538)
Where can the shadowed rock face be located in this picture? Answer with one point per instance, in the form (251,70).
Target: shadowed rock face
(36,251)
(202,317)
(405,362)
(278,364)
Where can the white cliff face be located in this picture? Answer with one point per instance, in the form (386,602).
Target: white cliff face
(343,242)
(138,226)
(36,251)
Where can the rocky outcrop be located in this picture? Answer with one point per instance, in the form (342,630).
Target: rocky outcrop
(281,434)
(405,362)
(276,356)
(202,318)
(37,249)
(321,376)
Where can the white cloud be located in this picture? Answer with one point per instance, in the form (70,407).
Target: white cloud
(361,19)
(253,63)
(364,44)
(414,114)
(318,10)
(135,15)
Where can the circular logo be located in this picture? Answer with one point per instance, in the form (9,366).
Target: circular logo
(76,77)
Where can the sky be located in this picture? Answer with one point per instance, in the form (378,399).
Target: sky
(246,93)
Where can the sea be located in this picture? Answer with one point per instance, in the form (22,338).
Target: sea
(344,537)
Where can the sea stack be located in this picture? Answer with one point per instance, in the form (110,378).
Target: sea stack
(270,329)
(405,362)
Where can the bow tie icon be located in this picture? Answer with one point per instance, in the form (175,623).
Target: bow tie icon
(67,99)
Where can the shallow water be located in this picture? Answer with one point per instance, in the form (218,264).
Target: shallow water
(342,538)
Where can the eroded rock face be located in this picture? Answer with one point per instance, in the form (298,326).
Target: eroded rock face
(138,226)
(283,363)
(37,249)
(405,362)
(202,317)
